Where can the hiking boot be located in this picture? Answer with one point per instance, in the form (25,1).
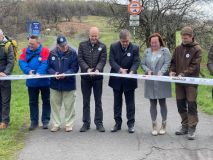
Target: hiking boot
(131,129)
(191,134)
(182,131)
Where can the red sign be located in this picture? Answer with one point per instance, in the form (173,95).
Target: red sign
(134,8)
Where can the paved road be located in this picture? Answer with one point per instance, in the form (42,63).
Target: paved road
(92,145)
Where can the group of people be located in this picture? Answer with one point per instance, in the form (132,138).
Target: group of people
(124,58)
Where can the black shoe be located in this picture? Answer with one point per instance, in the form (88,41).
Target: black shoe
(116,128)
(33,127)
(182,131)
(100,128)
(45,126)
(191,134)
(84,128)
(131,129)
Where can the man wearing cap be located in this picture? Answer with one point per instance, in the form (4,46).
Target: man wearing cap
(6,67)
(92,58)
(186,63)
(62,60)
(33,61)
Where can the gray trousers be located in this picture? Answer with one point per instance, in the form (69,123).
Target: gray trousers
(5,96)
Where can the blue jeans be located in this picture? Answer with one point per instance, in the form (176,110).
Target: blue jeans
(33,93)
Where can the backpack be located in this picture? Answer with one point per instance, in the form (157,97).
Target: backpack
(14,45)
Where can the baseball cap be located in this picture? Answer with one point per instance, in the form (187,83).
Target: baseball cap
(61,41)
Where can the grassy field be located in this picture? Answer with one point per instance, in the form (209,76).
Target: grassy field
(12,139)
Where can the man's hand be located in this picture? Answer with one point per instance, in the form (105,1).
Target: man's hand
(90,70)
(172,74)
(160,73)
(131,72)
(123,71)
(2,74)
(60,76)
(150,72)
(31,72)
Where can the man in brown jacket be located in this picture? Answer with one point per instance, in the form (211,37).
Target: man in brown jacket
(186,63)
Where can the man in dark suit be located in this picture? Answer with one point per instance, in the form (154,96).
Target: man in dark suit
(124,59)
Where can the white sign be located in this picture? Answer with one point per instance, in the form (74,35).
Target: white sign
(134,17)
(134,23)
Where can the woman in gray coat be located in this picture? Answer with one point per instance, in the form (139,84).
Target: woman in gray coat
(156,61)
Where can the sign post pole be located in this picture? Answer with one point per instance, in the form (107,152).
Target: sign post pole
(134,9)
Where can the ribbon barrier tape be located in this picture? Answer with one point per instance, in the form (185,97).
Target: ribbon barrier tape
(184,80)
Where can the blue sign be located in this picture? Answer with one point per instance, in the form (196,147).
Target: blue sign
(35,28)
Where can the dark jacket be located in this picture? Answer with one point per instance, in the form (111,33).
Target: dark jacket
(6,59)
(66,63)
(128,59)
(92,57)
(210,61)
(186,60)
(37,61)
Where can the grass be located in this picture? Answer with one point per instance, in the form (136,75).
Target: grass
(12,139)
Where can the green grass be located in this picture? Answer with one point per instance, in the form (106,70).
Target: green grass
(12,138)
(205,92)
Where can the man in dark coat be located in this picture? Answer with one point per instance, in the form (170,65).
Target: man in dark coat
(186,63)
(61,61)
(6,67)
(124,59)
(92,58)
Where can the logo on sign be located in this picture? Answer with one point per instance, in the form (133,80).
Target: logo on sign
(134,8)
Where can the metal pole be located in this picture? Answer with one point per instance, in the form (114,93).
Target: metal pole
(134,34)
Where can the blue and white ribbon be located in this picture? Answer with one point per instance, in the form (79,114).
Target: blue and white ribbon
(184,80)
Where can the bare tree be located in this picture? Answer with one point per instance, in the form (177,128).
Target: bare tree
(163,16)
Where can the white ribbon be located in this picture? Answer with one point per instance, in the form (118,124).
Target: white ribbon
(184,80)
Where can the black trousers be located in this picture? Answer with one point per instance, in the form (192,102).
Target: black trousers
(5,96)
(130,106)
(86,87)
(34,107)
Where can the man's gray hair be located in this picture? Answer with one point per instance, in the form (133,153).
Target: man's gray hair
(124,34)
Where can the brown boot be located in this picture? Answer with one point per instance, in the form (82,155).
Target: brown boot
(3,126)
